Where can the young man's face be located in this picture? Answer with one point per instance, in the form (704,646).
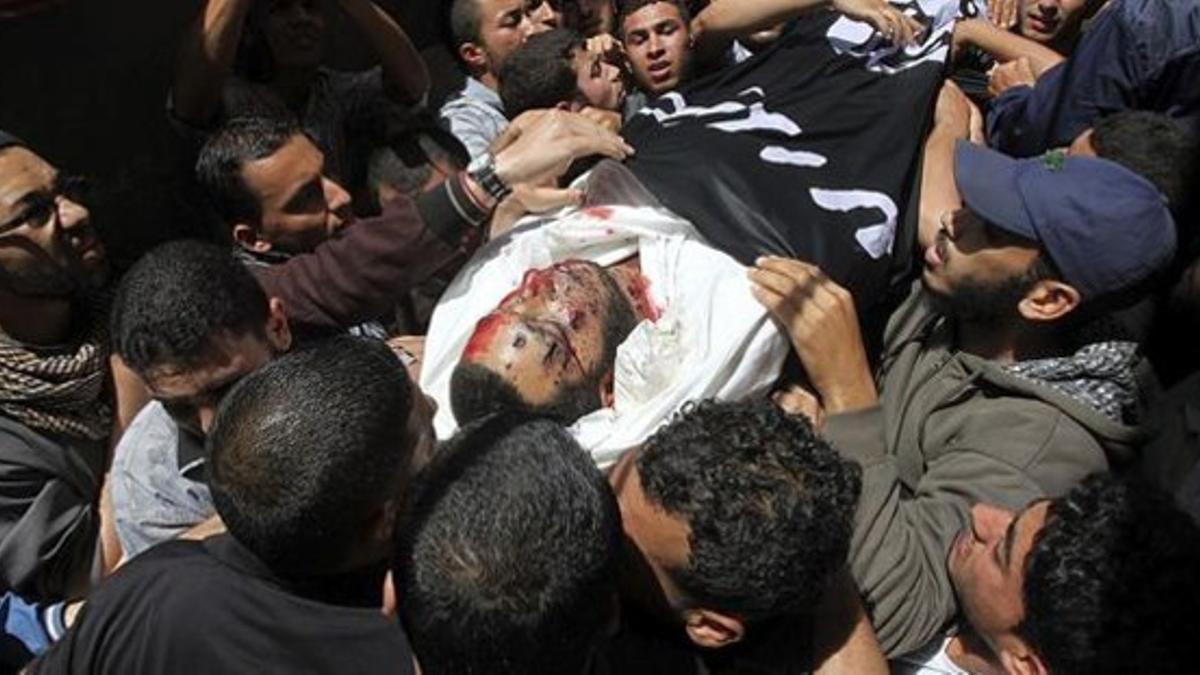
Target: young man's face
(295,30)
(47,245)
(655,543)
(191,393)
(543,15)
(970,257)
(300,207)
(549,333)
(657,43)
(503,27)
(600,83)
(1049,20)
(987,568)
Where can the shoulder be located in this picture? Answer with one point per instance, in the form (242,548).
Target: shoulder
(1031,436)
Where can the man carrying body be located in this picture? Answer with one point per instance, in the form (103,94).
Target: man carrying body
(485,33)
(718,481)
(287,218)
(508,563)
(1100,580)
(309,459)
(989,388)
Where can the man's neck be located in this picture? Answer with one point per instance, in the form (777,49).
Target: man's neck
(35,321)
(489,80)
(970,653)
(1007,344)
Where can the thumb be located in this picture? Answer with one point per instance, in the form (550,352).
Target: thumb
(542,199)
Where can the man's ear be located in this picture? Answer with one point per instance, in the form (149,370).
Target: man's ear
(246,236)
(713,630)
(474,56)
(607,398)
(1023,663)
(279,331)
(1049,300)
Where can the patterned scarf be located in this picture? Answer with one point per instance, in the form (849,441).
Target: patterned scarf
(1100,374)
(58,392)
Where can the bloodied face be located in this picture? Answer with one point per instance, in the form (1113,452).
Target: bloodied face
(553,339)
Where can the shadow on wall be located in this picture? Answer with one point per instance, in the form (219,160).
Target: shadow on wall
(85,83)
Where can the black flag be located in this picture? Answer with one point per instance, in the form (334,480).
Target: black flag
(808,150)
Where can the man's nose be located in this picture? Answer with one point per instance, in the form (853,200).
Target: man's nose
(543,14)
(337,201)
(656,46)
(1048,8)
(988,522)
(526,27)
(71,214)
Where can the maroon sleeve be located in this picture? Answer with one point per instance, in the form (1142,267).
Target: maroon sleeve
(359,274)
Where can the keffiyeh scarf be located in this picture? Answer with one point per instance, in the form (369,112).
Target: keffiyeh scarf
(58,392)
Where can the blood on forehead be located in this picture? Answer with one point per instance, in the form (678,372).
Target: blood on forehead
(485,332)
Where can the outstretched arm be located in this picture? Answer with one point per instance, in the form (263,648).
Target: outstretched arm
(205,59)
(955,118)
(724,20)
(404,70)
(1004,46)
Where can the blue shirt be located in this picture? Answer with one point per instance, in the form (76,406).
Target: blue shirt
(1137,55)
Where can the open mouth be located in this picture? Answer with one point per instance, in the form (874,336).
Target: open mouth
(660,71)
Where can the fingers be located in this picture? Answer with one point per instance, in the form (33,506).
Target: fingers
(796,400)
(542,199)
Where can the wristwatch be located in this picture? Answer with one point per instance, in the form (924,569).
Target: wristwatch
(482,170)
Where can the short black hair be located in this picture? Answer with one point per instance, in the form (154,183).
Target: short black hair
(749,478)
(219,168)
(304,450)
(506,558)
(179,296)
(1160,149)
(541,72)
(630,6)
(465,21)
(1111,583)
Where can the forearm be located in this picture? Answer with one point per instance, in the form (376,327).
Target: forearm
(897,551)
(359,275)
(723,21)
(205,59)
(1005,46)
(939,194)
(404,70)
(727,19)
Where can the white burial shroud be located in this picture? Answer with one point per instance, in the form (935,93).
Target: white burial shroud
(711,340)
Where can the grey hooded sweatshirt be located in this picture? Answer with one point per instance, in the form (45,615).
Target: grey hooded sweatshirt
(952,429)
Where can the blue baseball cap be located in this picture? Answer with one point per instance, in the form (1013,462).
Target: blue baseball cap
(1105,228)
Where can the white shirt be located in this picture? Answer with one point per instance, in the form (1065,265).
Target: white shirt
(712,340)
(931,659)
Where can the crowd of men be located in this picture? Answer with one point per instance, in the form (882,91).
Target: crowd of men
(738,336)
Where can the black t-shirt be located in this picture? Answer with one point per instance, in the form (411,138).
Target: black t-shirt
(212,607)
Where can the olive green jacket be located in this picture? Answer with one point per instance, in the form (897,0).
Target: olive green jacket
(951,429)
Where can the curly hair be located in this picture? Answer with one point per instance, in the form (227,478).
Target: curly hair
(1111,582)
(769,504)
